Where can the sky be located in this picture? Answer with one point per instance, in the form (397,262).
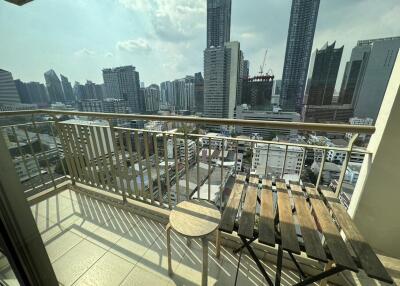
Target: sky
(165,39)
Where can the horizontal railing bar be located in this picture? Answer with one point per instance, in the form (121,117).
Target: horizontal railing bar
(25,124)
(340,128)
(309,146)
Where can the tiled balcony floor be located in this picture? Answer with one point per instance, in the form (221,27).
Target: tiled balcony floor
(90,242)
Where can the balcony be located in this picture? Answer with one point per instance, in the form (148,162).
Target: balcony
(101,191)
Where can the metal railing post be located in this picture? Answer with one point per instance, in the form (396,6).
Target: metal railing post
(198,168)
(43,152)
(140,158)
(321,168)
(209,169)
(157,163)
(177,188)
(132,162)
(148,165)
(266,162)
(23,157)
(302,163)
(345,164)
(284,162)
(236,157)
(117,162)
(186,147)
(221,191)
(167,180)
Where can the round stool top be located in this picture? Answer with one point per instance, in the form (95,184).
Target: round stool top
(195,218)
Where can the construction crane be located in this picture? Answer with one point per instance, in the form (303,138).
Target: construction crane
(261,72)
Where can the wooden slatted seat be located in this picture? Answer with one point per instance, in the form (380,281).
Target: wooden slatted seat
(232,206)
(369,261)
(247,218)
(286,221)
(319,216)
(334,241)
(308,227)
(266,227)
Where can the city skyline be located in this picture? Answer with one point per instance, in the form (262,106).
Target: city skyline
(82,54)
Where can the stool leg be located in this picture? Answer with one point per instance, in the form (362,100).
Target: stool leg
(218,244)
(204,277)
(168,229)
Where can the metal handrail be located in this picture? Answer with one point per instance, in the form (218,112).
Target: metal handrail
(340,128)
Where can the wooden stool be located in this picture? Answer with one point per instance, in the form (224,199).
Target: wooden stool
(194,219)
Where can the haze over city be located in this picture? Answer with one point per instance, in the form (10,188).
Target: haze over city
(165,39)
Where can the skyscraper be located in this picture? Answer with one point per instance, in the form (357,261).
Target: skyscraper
(67,88)
(123,83)
(22,91)
(166,90)
(152,98)
(257,92)
(246,69)
(221,77)
(37,93)
(199,92)
(8,91)
(54,87)
(178,87)
(218,22)
(323,74)
(303,19)
(367,74)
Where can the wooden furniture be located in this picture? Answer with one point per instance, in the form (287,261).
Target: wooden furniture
(194,219)
(298,219)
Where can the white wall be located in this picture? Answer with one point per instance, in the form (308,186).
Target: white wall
(376,200)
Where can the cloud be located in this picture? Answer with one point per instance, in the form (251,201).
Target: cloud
(108,55)
(84,52)
(132,46)
(137,5)
(171,20)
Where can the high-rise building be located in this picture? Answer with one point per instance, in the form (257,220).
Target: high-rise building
(178,87)
(54,86)
(199,92)
(303,19)
(327,113)
(218,22)
(166,93)
(91,105)
(367,74)
(113,105)
(22,91)
(37,93)
(93,90)
(221,77)
(152,98)
(323,74)
(8,91)
(257,92)
(67,89)
(187,101)
(123,83)
(246,69)
(79,91)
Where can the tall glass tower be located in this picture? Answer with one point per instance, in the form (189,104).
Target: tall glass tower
(218,22)
(303,19)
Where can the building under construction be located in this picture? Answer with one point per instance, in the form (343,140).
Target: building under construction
(257,92)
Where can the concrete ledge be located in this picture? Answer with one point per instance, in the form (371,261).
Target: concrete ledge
(47,193)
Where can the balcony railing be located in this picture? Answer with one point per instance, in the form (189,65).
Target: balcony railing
(162,167)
